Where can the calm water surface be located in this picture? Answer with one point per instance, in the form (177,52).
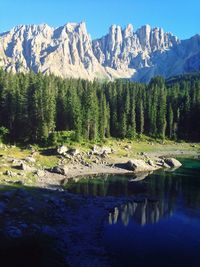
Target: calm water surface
(159,224)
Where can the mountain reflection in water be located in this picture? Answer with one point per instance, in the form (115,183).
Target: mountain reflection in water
(144,212)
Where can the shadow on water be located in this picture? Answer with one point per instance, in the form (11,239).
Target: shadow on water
(27,220)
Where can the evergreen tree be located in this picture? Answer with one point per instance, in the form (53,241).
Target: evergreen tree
(33,106)
(132,125)
(170,121)
(141,118)
(123,125)
(161,111)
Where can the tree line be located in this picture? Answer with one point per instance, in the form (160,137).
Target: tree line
(36,107)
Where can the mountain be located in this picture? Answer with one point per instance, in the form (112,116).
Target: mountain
(65,51)
(69,51)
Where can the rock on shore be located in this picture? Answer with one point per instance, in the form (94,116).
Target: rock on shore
(172,162)
(139,165)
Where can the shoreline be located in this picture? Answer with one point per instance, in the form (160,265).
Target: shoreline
(80,171)
(37,167)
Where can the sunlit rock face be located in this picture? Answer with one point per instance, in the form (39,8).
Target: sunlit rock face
(68,51)
(124,48)
(65,51)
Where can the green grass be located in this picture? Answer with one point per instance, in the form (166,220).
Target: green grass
(14,152)
(123,149)
(46,161)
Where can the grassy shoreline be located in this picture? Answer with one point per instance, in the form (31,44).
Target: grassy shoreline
(123,150)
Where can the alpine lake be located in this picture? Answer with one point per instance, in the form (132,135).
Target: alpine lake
(148,219)
(158,224)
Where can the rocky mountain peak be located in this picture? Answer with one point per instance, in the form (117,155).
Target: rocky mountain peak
(144,36)
(115,36)
(68,51)
(128,31)
(76,27)
(124,49)
(32,29)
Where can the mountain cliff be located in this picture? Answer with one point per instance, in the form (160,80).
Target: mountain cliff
(69,51)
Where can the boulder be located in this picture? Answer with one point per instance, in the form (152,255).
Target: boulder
(193,145)
(30,159)
(106,150)
(40,173)
(165,165)
(62,150)
(172,162)
(138,165)
(63,170)
(101,150)
(96,150)
(144,154)
(23,166)
(67,156)
(16,162)
(151,163)
(160,162)
(73,152)
(104,154)
(9,173)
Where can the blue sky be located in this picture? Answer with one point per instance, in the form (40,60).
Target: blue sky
(179,17)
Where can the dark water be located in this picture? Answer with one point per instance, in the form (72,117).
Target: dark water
(159,223)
